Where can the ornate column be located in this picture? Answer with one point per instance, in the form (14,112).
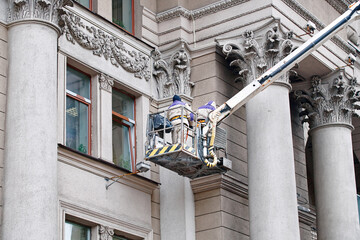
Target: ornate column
(271,171)
(329,108)
(30,182)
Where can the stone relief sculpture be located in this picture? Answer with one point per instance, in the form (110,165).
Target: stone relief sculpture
(251,55)
(47,10)
(329,102)
(105,45)
(106,233)
(172,77)
(106,82)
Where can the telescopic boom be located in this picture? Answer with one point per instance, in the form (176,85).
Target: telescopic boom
(276,71)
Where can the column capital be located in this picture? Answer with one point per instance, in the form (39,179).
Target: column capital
(172,71)
(255,51)
(106,82)
(329,101)
(48,11)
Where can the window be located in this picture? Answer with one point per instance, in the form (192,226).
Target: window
(74,231)
(123,129)
(85,3)
(78,107)
(123,14)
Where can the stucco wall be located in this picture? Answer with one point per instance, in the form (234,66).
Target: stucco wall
(3,79)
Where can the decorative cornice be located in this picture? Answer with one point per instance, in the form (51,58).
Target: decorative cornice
(106,233)
(172,77)
(308,218)
(106,82)
(331,102)
(197,13)
(102,44)
(298,8)
(216,181)
(340,5)
(44,10)
(251,54)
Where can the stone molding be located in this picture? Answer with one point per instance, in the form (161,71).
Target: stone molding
(254,52)
(104,169)
(340,5)
(298,8)
(106,82)
(173,76)
(104,45)
(106,233)
(86,212)
(308,218)
(44,10)
(329,102)
(197,13)
(222,181)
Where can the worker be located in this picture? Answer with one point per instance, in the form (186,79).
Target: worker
(203,114)
(202,119)
(178,115)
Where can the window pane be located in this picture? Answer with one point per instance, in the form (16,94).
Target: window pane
(75,231)
(78,82)
(76,125)
(123,104)
(85,3)
(122,13)
(121,146)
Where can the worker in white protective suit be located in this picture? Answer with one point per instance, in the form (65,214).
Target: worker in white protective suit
(177,116)
(203,114)
(202,118)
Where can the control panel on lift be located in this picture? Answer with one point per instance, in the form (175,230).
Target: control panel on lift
(182,154)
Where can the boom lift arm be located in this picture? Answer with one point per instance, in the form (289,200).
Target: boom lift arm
(259,84)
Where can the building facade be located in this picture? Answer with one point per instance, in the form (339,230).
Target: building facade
(78,79)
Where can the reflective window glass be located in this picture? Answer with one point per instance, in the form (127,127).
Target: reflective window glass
(78,82)
(74,231)
(122,11)
(121,145)
(77,123)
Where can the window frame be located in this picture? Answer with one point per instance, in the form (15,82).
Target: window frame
(81,99)
(132,19)
(117,117)
(90,5)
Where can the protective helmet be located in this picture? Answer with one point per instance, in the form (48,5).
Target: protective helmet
(176,98)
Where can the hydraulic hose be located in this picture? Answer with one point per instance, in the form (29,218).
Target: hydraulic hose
(211,145)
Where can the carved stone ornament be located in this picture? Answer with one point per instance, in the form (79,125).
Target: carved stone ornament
(197,13)
(330,102)
(106,233)
(172,77)
(106,82)
(251,54)
(104,45)
(47,10)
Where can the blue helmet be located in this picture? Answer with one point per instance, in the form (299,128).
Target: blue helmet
(176,98)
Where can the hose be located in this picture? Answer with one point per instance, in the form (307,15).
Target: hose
(211,145)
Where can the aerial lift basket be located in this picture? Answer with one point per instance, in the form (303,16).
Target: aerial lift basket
(184,157)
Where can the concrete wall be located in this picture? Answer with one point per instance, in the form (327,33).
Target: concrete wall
(3,81)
